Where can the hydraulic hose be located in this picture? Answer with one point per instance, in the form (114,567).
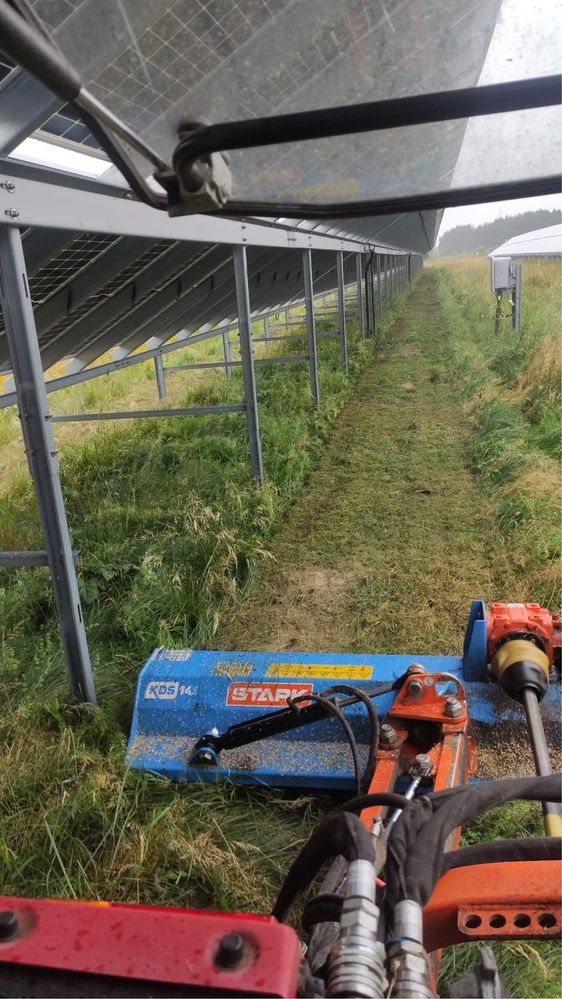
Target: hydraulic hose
(341,834)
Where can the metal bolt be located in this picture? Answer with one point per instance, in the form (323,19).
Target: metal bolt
(206,757)
(388,734)
(422,765)
(8,924)
(231,951)
(12,213)
(8,185)
(453,707)
(415,689)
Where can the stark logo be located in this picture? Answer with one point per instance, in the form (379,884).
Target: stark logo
(166,690)
(265,695)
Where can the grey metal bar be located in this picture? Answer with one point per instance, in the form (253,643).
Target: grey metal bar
(160,376)
(360,303)
(144,414)
(341,310)
(198,366)
(28,560)
(386,281)
(26,104)
(42,459)
(288,359)
(247,355)
(369,301)
(65,381)
(266,327)
(227,353)
(275,339)
(310,325)
(379,296)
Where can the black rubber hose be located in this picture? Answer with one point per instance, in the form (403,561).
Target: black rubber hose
(324,908)
(341,834)
(501,850)
(416,844)
(331,708)
(29,47)
(363,697)
(388,798)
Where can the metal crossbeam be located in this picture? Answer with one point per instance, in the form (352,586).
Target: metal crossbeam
(29,560)
(147,414)
(44,205)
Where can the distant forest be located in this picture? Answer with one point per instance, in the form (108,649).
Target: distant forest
(483,238)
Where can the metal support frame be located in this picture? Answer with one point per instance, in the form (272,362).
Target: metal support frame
(360,302)
(372,286)
(385,270)
(42,459)
(266,327)
(247,357)
(310,325)
(160,376)
(147,414)
(341,310)
(369,300)
(379,295)
(227,353)
(28,560)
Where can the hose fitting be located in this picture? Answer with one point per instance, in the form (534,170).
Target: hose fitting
(356,961)
(407,959)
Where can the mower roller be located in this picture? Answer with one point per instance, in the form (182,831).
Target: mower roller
(393,737)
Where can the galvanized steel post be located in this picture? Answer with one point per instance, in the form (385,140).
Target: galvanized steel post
(160,376)
(360,303)
(386,289)
(266,327)
(369,300)
(247,356)
(227,354)
(310,325)
(42,459)
(379,296)
(341,310)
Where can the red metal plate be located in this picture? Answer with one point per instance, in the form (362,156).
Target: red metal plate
(155,944)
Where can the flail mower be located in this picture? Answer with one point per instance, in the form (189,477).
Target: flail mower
(394,738)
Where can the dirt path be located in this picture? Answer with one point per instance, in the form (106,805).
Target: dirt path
(392,538)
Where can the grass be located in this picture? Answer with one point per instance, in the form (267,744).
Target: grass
(171,529)
(510,385)
(393,535)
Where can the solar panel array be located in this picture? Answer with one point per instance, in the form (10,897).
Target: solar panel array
(154,61)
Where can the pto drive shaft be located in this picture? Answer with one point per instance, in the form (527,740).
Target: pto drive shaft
(537,738)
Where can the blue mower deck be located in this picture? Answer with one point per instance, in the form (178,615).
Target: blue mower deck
(183,695)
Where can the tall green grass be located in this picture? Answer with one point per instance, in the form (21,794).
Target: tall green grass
(510,384)
(170,528)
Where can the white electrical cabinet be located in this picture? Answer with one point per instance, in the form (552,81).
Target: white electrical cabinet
(501,274)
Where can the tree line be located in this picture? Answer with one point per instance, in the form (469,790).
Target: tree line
(486,237)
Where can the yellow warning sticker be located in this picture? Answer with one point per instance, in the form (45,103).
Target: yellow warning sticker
(320,671)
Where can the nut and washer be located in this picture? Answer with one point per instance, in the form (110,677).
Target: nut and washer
(453,707)
(11,213)
(415,689)
(422,765)
(389,736)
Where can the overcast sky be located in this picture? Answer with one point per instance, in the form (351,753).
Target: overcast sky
(527,41)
